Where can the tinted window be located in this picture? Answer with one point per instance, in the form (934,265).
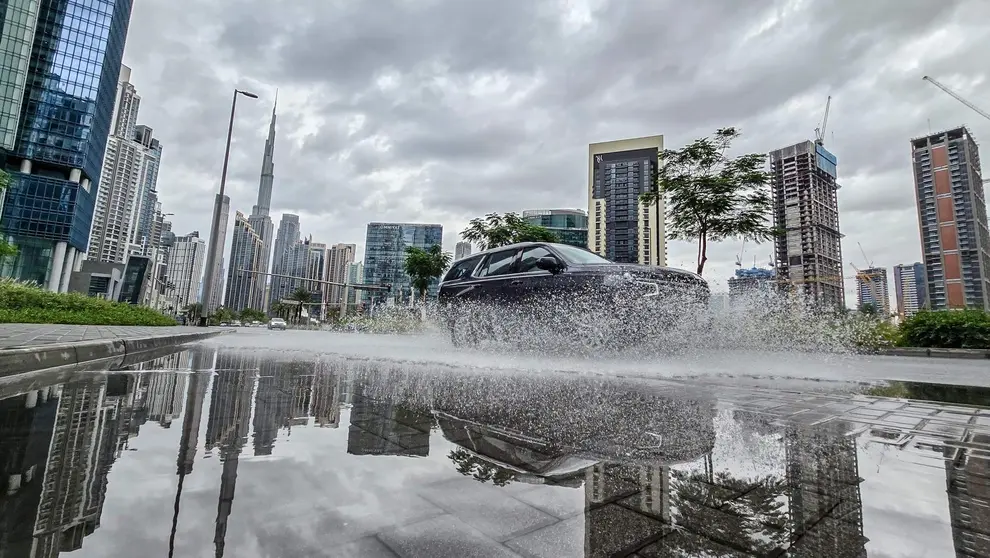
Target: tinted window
(530,256)
(461,269)
(575,255)
(498,263)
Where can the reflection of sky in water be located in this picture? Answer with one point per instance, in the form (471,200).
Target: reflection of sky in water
(905,507)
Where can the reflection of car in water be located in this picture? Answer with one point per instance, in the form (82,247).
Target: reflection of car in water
(545,280)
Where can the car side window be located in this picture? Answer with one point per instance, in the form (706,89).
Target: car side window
(461,270)
(498,263)
(532,255)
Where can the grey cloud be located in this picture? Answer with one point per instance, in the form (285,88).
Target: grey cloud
(633,68)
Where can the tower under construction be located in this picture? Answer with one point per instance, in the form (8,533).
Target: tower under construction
(808,254)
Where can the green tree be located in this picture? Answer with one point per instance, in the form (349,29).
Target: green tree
(423,266)
(5,248)
(249,315)
(869,309)
(711,197)
(494,230)
(223,315)
(302,296)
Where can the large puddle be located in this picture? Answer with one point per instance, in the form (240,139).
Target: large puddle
(224,453)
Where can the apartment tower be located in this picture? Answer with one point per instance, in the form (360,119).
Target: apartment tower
(809,256)
(872,289)
(246,252)
(952,213)
(910,288)
(341,257)
(621,227)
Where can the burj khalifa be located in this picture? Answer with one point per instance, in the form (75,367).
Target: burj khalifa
(260,218)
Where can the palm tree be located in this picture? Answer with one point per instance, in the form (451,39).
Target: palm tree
(194,311)
(423,266)
(301,296)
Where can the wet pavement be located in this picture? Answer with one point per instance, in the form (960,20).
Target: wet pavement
(225,452)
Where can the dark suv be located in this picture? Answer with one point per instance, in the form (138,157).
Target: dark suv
(542,284)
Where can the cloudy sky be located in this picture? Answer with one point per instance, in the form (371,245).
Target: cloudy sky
(438,111)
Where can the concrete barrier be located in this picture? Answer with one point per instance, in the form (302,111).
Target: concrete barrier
(31,359)
(937,353)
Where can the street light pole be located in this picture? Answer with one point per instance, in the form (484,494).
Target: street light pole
(211,252)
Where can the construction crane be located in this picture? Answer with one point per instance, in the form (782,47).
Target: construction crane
(820,130)
(739,257)
(959,98)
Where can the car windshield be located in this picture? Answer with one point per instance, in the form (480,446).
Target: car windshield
(575,255)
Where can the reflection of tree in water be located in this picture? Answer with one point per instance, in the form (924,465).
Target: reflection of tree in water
(753,522)
(479,469)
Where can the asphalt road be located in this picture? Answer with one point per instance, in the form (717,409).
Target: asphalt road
(789,370)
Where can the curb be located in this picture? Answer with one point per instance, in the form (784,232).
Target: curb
(31,359)
(971,354)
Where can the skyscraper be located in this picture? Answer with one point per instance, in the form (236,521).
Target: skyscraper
(210,306)
(123,218)
(385,256)
(952,212)
(462,250)
(288,236)
(355,276)
(341,257)
(244,290)
(187,258)
(872,289)
(55,117)
(809,255)
(910,288)
(623,229)
(260,218)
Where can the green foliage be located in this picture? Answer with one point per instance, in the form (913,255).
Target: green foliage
(423,266)
(193,311)
(30,304)
(953,329)
(711,197)
(222,315)
(249,315)
(5,248)
(302,296)
(494,230)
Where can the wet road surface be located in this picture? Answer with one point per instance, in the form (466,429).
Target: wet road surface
(228,451)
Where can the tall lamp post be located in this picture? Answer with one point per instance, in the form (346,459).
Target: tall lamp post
(211,252)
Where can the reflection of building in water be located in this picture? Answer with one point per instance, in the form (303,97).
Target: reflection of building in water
(26,423)
(826,510)
(164,396)
(227,429)
(387,428)
(968,485)
(325,407)
(283,399)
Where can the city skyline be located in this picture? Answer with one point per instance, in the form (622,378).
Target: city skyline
(875,201)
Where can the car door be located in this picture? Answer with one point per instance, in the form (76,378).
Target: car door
(534,285)
(495,274)
(459,283)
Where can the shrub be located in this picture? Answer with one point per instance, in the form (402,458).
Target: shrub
(955,329)
(30,304)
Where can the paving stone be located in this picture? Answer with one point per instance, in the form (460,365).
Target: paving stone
(558,501)
(604,531)
(488,509)
(441,537)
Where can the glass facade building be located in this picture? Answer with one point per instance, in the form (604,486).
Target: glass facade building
(62,126)
(385,257)
(570,225)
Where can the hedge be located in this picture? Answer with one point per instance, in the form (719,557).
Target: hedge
(29,304)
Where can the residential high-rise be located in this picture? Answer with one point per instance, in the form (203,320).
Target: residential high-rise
(209,307)
(355,276)
(872,289)
(287,237)
(340,259)
(385,257)
(316,260)
(260,218)
(809,255)
(186,259)
(746,282)
(462,250)
(123,217)
(244,290)
(623,229)
(570,225)
(59,64)
(910,289)
(952,212)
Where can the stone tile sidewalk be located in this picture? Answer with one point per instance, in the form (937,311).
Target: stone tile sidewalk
(31,347)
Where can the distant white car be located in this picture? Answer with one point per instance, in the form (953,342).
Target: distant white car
(276,323)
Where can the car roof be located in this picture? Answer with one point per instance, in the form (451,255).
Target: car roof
(510,247)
